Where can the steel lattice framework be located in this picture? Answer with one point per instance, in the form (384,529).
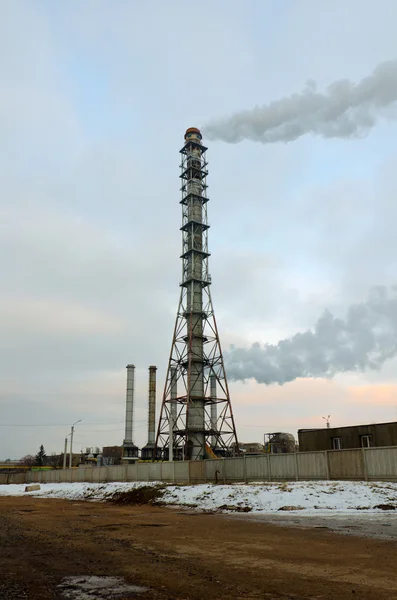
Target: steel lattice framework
(196,412)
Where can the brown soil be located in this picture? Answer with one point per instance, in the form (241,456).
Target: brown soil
(184,555)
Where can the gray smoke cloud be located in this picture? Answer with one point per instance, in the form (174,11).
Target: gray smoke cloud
(363,341)
(345,110)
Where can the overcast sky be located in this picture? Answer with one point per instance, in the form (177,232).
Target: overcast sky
(95,97)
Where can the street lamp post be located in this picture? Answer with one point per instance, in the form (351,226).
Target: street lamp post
(65,452)
(327,421)
(71,443)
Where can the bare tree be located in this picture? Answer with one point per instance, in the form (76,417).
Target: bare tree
(28,461)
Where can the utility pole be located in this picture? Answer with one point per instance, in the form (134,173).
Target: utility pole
(65,452)
(71,443)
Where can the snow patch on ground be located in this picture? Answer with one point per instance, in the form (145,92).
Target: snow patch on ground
(98,588)
(305,497)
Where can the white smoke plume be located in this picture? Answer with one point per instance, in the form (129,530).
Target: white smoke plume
(345,110)
(363,341)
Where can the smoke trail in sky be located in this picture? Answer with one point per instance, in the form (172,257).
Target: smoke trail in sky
(363,341)
(344,110)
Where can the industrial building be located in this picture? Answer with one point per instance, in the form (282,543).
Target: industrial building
(343,438)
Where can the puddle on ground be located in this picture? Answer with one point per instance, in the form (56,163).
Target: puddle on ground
(98,588)
(150,525)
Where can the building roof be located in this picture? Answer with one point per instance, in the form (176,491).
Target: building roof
(346,427)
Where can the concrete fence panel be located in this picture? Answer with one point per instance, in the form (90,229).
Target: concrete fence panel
(312,465)
(89,474)
(142,471)
(42,476)
(63,476)
(282,466)
(182,472)
(167,472)
(6,478)
(234,469)
(381,463)
(214,470)
(50,477)
(99,474)
(154,471)
(55,476)
(75,475)
(116,473)
(132,473)
(346,464)
(18,478)
(197,471)
(257,468)
(83,474)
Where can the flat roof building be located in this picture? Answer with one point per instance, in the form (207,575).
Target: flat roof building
(343,438)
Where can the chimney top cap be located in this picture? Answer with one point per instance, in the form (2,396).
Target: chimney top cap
(193,131)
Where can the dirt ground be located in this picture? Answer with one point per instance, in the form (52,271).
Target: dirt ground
(184,555)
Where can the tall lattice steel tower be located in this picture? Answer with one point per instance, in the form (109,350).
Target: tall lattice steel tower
(196,419)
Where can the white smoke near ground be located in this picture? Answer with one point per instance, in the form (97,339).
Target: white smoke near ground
(363,341)
(345,110)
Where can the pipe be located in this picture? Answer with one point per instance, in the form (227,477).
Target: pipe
(152,405)
(129,404)
(214,416)
(174,393)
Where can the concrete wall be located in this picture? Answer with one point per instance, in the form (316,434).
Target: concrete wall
(12,478)
(381,463)
(360,464)
(347,464)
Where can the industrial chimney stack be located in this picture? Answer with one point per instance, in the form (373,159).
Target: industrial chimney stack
(196,419)
(148,451)
(130,451)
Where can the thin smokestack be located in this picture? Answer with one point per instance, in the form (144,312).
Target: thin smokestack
(345,110)
(129,411)
(213,408)
(363,341)
(152,405)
